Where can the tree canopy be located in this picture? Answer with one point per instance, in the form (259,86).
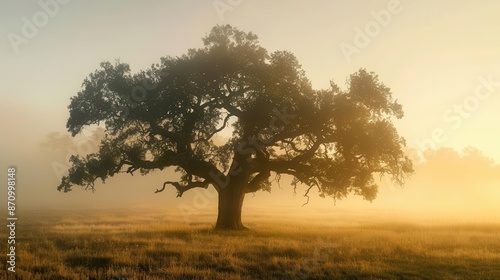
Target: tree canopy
(233,116)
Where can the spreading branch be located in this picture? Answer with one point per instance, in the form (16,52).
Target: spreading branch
(182,187)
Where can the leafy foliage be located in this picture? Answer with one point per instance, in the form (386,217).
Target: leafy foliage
(179,111)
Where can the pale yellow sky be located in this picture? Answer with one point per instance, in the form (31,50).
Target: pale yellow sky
(440,58)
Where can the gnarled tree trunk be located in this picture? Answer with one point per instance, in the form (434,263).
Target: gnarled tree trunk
(230,204)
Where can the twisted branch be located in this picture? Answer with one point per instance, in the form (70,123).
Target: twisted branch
(181,188)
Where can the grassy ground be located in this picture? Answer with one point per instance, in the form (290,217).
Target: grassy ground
(147,244)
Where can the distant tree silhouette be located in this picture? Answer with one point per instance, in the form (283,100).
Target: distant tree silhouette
(176,113)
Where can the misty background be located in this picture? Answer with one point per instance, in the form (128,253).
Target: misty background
(441,61)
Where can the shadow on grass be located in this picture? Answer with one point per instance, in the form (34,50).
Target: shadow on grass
(92,263)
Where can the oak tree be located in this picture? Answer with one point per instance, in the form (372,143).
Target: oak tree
(233,116)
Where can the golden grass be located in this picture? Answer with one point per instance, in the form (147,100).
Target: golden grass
(149,244)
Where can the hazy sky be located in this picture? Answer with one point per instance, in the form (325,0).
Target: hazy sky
(440,58)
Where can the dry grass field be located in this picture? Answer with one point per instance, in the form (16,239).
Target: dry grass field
(149,244)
